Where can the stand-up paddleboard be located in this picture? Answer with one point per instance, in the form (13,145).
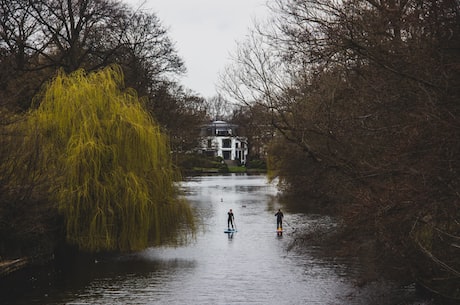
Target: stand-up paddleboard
(229,230)
(279,231)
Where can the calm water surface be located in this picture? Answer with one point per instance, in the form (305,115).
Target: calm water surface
(251,266)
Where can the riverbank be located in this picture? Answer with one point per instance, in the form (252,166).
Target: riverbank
(231,170)
(340,243)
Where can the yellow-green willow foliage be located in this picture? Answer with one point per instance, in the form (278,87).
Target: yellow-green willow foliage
(111,163)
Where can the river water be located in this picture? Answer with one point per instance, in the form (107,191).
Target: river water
(252,266)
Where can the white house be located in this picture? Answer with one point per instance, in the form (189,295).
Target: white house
(221,139)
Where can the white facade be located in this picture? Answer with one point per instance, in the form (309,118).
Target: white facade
(221,139)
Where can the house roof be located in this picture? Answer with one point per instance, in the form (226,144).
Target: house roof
(220,124)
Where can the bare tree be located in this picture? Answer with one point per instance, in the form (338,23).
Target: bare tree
(218,108)
(17,30)
(366,109)
(180,113)
(42,36)
(74,30)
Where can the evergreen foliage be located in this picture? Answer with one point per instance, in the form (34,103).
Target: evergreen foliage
(108,162)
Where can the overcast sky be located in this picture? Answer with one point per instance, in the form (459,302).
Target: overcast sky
(205,33)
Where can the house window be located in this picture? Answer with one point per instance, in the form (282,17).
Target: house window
(222,133)
(226,155)
(236,145)
(227,143)
(209,143)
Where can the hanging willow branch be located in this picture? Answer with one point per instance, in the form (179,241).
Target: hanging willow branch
(110,161)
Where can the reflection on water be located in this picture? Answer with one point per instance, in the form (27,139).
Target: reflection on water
(251,266)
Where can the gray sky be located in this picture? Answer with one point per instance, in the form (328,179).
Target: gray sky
(205,33)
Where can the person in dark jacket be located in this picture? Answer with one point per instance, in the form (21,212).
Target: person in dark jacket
(279,219)
(230,219)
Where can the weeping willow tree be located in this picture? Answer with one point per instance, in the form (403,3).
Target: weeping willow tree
(109,164)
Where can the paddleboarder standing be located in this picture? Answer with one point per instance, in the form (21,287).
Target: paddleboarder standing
(279,219)
(230,219)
